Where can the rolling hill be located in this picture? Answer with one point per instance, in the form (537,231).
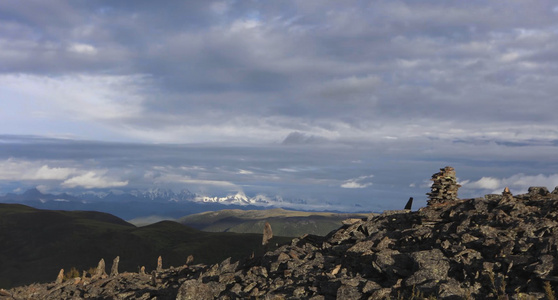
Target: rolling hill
(283,222)
(36,244)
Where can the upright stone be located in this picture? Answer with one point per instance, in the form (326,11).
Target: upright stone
(60,277)
(267,234)
(160,264)
(100,271)
(154,278)
(114,269)
(409,204)
(506,196)
(444,186)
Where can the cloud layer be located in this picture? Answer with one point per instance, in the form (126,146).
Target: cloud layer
(308,98)
(257,71)
(370,177)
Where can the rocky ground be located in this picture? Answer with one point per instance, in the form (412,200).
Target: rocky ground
(496,247)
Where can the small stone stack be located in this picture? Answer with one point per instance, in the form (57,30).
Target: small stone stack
(444,187)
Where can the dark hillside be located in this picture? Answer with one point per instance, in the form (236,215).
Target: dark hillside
(36,243)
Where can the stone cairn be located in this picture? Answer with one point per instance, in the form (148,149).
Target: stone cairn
(444,187)
(267,234)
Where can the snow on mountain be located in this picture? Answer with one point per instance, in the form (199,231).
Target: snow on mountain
(241,199)
(159,195)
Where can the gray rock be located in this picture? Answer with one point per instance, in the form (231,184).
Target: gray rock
(348,292)
(159,264)
(431,267)
(538,191)
(114,268)
(196,290)
(267,234)
(100,272)
(60,277)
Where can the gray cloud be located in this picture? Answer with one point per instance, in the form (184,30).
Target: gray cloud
(440,78)
(340,175)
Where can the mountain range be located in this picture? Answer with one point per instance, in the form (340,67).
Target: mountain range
(161,203)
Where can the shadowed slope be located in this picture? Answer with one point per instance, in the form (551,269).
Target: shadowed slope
(36,243)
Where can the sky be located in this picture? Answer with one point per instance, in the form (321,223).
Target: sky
(346,103)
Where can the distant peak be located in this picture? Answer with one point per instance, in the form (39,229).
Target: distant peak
(33,192)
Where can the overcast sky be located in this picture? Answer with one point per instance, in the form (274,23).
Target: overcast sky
(351,102)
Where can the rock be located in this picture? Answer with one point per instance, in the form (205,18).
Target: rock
(431,267)
(159,264)
(114,268)
(60,277)
(506,197)
(335,270)
(538,191)
(348,292)
(196,290)
(100,271)
(267,234)
(452,289)
(189,259)
(444,187)
(351,221)
(409,204)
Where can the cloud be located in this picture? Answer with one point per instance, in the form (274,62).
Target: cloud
(338,174)
(518,183)
(257,71)
(83,49)
(297,138)
(16,169)
(46,173)
(93,179)
(417,83)
(358,183)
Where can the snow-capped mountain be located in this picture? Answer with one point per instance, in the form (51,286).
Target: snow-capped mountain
(160,202)
(151,195)
(239,199)
(259,200)
(158,194)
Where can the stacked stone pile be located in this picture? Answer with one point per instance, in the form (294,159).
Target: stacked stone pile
(467,249)
(444,186)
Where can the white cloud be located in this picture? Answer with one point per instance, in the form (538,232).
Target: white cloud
(358,183)
(489,183)
(93,179)
(16,169)
(354,185)
(47,173)
(518,183)
(196,181)
(83,49)
(77,97)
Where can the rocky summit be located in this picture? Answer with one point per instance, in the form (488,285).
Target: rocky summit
(500,246)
